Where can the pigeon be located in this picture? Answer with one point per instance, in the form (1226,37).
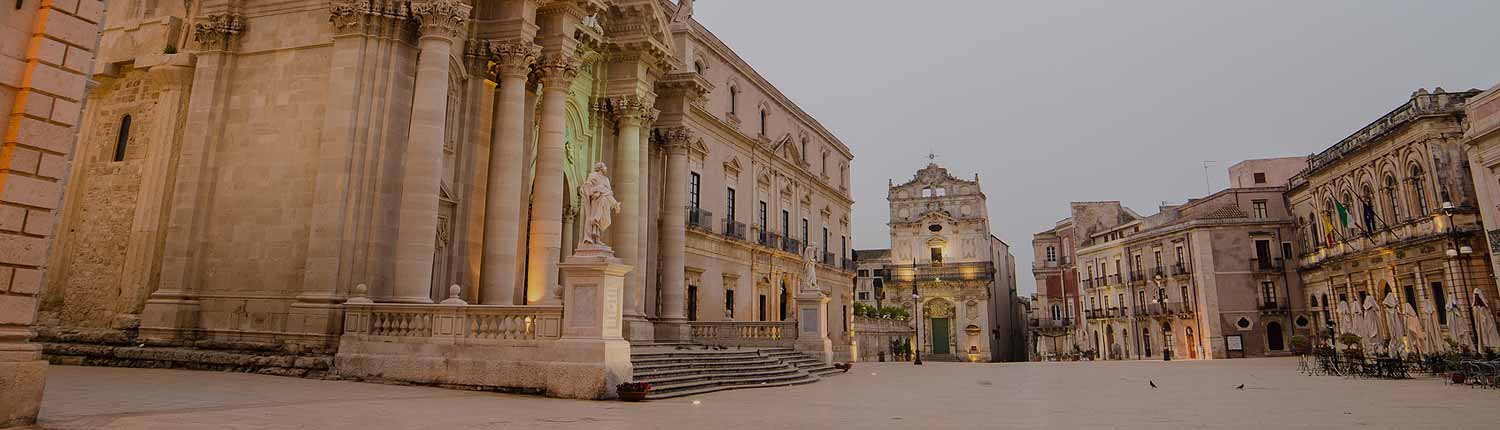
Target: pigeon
(1153,383)
(1241,387)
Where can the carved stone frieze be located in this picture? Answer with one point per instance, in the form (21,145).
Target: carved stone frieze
(674,140)
(368,17)
(441,18)
(218,32)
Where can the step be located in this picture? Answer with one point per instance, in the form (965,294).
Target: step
(692,353)
(667,389)
(654,372)
(718,376)
(681,393)
(703,359)
(693,364)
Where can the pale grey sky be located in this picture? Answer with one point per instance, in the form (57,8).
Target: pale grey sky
(1052,102)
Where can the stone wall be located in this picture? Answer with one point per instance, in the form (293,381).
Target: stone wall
(873,337)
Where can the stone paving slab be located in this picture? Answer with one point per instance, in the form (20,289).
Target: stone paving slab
(1111,395)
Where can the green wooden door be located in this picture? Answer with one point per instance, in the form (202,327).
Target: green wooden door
(940,336)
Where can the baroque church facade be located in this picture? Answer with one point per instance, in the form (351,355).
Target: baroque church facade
(954,277)
(247,169)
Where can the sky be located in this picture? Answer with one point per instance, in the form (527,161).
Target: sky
(1059,101)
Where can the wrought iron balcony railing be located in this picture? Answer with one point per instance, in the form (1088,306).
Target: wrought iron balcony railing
(1266,265)
(734,230)
(1179,269)
(970,271)
(700,219)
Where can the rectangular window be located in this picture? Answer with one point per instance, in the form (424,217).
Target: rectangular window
(1185,300)
(936,254)
(1260,177)
(729,304)
(694,181)
(762,217)
(1258,209)
(864,273)
(1157,255)
(786,223)
(825,240)
(864,295)
(692,303)
(879,273)
(1268,293)
(805,237)
(1411,297)
(729,209)
(1286,251)
(760,308)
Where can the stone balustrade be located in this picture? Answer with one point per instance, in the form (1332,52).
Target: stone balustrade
(745,333)
(469,322)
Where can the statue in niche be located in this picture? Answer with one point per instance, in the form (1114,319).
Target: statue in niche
(599,205)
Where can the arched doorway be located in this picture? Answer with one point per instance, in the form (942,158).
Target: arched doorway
(1273,336)
(1109,341)
(939,315)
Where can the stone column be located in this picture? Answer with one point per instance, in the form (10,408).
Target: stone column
(500,267)
(647,270)
(672,324)
(441,22)
(628,182)
(545,242)
(35,153)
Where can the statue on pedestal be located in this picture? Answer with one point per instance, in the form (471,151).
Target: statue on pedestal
(599,205)
(810,270)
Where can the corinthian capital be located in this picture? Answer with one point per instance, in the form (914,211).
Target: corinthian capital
(674,139)
(631,107)
(218,32)
(371,17)
(557,71)
(441,18)
(514,58)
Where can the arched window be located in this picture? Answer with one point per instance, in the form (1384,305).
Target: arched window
(734,99)
(1393,199)
(122,139)
(763,122)
(1418,190)
(1051,254)
(1367,206)
(1347,201)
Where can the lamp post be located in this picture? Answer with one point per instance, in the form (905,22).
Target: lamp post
(1461,256)
(916,309)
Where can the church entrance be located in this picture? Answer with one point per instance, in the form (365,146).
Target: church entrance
(940,336)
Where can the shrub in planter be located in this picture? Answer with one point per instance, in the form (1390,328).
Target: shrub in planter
(633,391)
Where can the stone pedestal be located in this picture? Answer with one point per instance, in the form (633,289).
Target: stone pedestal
(593,304)
(812,327)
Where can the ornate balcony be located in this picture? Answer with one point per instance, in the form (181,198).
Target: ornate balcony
(1051,324)
(1267,265)
(791,245)
(1273,307)
(1179,269)
(769,239)
(745,333)
(971,271)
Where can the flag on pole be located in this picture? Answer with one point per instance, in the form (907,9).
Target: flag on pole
(1343,214)
(1327,229)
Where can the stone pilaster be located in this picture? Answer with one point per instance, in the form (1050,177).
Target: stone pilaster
(172,310)
(544,246)
(628,180)
(500,268)
(441,22)
(672,323)
(35,154)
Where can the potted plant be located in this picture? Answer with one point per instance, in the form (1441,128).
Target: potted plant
(633,391)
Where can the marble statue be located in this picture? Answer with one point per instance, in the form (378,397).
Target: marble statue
(809,268)
(599,205)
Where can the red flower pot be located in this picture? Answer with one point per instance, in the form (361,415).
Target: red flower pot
(632,396)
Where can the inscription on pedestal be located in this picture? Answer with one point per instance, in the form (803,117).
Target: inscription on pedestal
(585,299)
(808,319)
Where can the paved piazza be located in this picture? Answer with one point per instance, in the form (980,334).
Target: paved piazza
(876,395)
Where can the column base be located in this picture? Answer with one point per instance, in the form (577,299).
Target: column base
(169,320)
(21,384)
(672,330)
(638,329)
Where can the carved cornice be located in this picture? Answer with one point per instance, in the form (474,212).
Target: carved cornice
(557,70)
(218,32)
(368,17)
(692,86)
(441,18)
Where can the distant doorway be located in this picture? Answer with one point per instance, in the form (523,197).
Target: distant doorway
(1273,336)
(940,336)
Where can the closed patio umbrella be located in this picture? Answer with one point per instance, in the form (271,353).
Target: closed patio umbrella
(1415,332)
(1395,334)
(1372,325)
(1484,319)
(1458,328)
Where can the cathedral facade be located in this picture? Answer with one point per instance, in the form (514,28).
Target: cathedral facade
(246,169)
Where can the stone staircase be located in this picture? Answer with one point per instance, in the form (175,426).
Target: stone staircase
(676,370)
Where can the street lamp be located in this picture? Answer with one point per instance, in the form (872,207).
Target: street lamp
(1461,253)
(916,308)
